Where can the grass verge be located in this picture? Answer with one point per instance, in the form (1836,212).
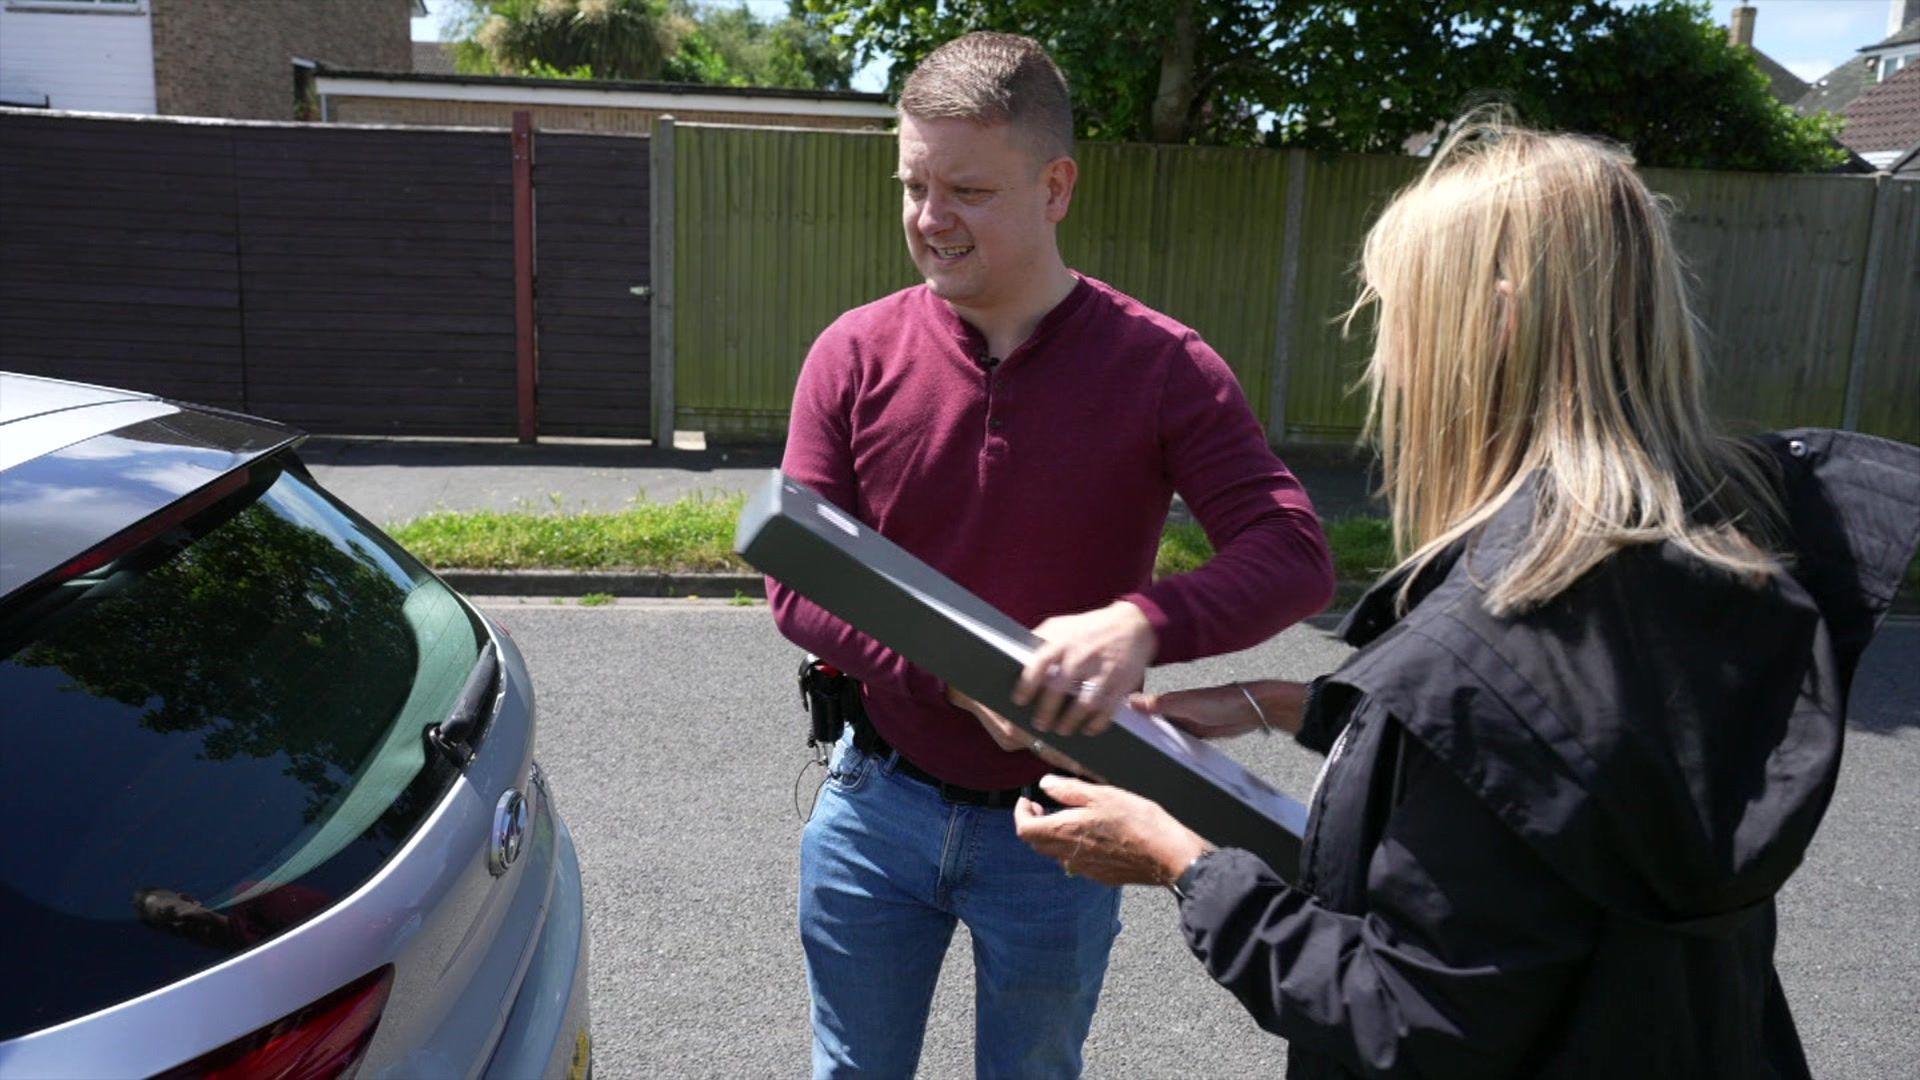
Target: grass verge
(692,535)
(1362,548)
(695,535)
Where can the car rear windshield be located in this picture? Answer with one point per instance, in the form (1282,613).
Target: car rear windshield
(210,740)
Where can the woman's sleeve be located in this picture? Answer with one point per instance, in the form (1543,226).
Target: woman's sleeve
(1469,948)
(1323,715)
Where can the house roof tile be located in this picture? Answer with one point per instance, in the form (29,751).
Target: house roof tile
(433,57)
(1886,117)
(1787,86)
(1906,35)
(1836,88)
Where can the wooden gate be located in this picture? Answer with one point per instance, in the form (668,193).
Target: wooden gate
(591,236)
(345,280)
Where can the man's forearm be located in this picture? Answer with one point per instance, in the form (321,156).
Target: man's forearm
(1273,572)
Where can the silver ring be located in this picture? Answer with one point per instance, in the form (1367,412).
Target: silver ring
(1037,746)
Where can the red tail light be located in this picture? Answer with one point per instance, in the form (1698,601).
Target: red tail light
(320,1042)
(139,534)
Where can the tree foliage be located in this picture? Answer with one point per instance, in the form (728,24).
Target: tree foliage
(735,47)
(674,40)
(1366,75)
(332,656)
(1666,83)
(618,39)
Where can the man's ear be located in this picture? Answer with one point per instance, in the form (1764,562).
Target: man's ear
(1059,175)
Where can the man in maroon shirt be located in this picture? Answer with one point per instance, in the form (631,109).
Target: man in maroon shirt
(1023,429)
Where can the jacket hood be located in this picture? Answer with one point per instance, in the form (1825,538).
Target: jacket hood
(1665,736)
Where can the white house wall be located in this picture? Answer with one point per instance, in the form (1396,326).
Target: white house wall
(101,62)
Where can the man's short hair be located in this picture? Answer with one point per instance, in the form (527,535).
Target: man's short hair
(991,78)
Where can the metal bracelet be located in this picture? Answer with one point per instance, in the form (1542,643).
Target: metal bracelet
(1181,884)
(1258,712)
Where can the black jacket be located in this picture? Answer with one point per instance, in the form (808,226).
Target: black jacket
(1548,845)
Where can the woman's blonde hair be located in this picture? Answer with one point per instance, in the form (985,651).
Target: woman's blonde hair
(1533,320)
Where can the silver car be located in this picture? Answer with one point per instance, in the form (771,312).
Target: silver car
(267,784)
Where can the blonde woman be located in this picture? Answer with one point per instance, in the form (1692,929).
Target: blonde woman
(1596,712)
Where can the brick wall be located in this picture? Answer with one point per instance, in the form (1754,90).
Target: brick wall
(233,58)
(403,111)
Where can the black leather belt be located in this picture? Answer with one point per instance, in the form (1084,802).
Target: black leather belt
(870,741)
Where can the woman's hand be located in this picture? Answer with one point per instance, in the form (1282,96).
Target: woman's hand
(1220,712)
(1109,835)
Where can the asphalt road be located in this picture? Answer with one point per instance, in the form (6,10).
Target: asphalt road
(672,734)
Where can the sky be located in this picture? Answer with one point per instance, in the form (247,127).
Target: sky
(1807,37)
(1812,37)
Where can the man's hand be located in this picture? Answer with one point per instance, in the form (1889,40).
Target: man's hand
(1010,737)
(1219,712)
(1109,835)
(1088,663)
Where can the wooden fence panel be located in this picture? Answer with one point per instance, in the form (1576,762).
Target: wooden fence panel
(778,231)
(1890,356)
(361,280)
(1194,232)
(117,260)
(345,280)
(592,233)
(1345,193)
(378,270)
(1776,269)
(1776,263)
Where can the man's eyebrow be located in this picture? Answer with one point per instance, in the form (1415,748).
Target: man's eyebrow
(964,180)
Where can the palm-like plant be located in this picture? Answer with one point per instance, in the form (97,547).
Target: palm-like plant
(612,39)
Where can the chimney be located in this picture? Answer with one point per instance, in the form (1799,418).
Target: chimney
(1740,27)
(1900,13)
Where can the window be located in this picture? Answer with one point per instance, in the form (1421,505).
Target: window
(81,7)
(210,740)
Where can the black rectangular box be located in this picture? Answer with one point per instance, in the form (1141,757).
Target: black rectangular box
(819,551)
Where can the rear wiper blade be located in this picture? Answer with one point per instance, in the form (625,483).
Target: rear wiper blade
(453,737)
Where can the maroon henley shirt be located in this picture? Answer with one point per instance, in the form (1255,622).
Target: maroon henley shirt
(1041,483)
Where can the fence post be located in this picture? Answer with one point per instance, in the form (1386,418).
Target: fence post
(1282,367)
(1863,313)
(660,157)
(525,358)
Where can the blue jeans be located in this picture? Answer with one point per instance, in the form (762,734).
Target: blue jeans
(886,869)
